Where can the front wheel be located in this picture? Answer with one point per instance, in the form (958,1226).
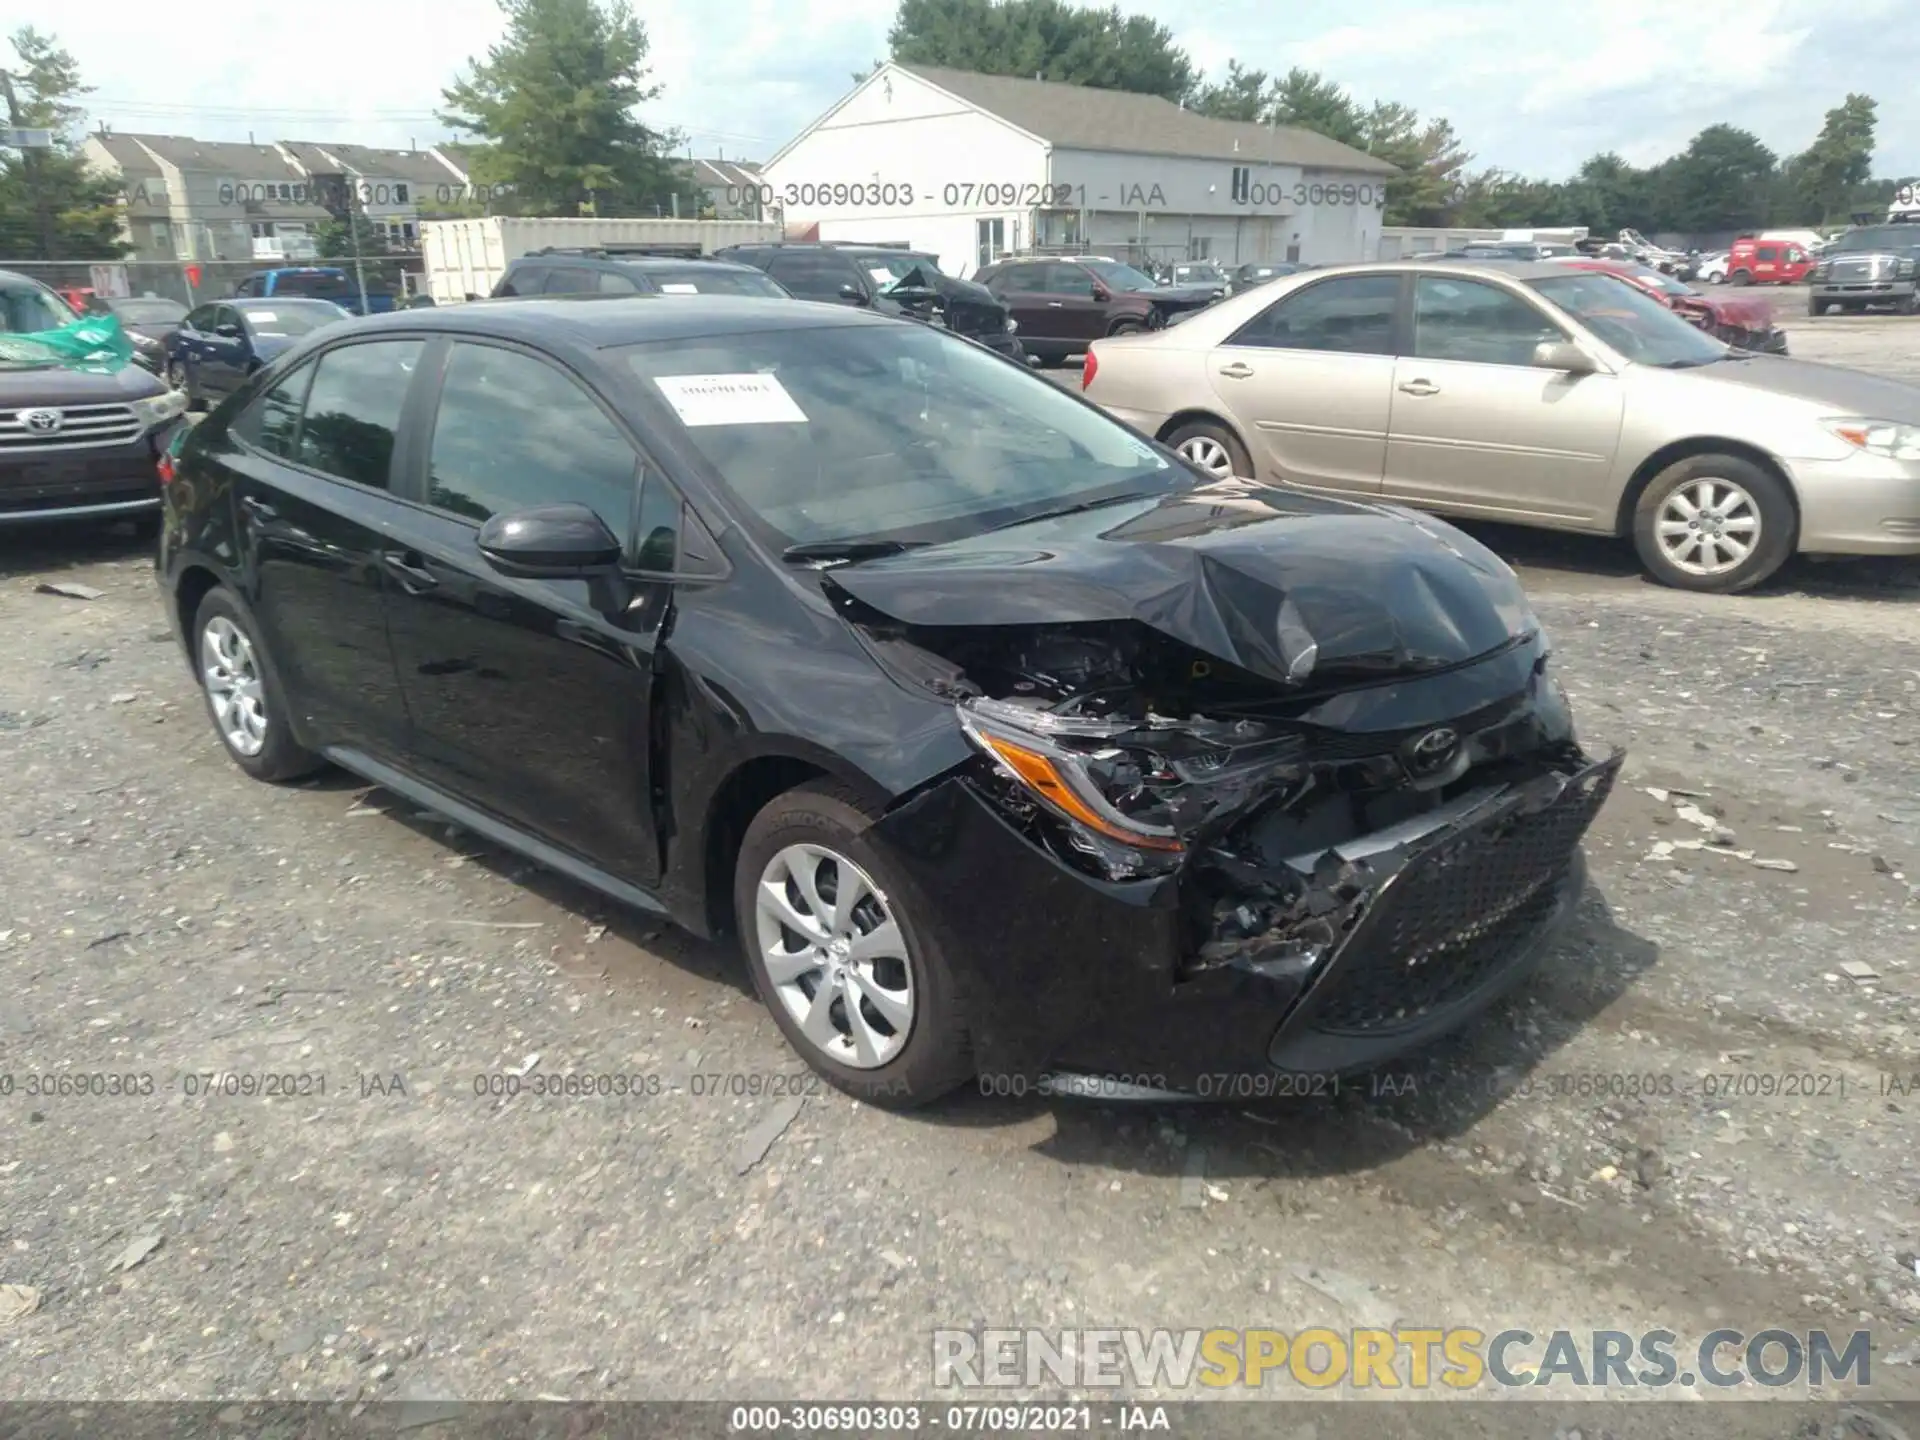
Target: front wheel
(1211,447)
(1816,306)
(1909,304)
(243,693)
(853,979)
(1714,523)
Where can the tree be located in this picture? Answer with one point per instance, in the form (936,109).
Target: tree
(52,207)
(1049,39)
(334,241)
(1429,156)
(1309,101)
(553,108)
(1722,180)
(1824,181)
(1242,95)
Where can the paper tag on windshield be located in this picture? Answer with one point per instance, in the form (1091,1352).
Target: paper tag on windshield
(750,399)
(262,317)
(680,289)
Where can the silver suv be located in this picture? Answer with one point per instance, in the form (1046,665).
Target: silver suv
(1869,265)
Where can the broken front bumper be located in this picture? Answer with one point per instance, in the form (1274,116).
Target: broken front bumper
(1060,972)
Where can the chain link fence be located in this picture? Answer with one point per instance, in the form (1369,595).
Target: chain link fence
(194,282)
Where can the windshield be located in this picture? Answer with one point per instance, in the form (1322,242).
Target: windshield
(148,312)
(1664,283)
(287,318)
(712,280)
(871,432)
(1197,272)
(1880,237)
(1116,276)
(1631,321)
(327,287)
(25,311)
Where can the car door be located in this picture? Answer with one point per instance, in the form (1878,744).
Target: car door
(1073,297)
(528,698)
(190,342)
(311,466)
(1476,426)
(1766,263)
(1023,290)
(1309,382)
(223,357)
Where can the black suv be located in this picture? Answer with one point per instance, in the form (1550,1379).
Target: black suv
(613,272)
(999,740)
(76,443)
(893,281)
(1869,265)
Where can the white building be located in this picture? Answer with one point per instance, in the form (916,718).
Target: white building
(972,167)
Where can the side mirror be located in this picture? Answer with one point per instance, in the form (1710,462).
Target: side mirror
(1100,292)
(549,542)
(227,332)
(851,294)
(1563,355)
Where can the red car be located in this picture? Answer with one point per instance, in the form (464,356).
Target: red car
(1742,320)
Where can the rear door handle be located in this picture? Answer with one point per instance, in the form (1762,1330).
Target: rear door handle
(1420,387)
(411,570)
(1056,304)
(1236,371)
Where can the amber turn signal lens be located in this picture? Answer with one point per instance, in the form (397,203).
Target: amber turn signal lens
(1039,774)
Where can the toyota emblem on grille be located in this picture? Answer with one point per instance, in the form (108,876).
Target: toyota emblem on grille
(42,422)
(1432,750)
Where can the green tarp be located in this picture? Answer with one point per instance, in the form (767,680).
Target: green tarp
(92,342)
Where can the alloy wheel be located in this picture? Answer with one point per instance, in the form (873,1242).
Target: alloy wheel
(231,672)
(835,955)
(1209,454)
(176,375)
(1708,526)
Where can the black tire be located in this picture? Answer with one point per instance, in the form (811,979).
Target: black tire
(1909,304)
(1126,327)
(1816,306)
(1049,359)
(280,757)
(1779,523)
(1219,435)
(936,1057)
(1740,277)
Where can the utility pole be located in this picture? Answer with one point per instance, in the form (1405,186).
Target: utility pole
(353,235)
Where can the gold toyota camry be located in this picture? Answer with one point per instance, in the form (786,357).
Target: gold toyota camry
(1534,394)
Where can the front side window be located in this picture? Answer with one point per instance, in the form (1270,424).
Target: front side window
(1125,278)
(1471,321)
(1068,280)
(201,319)
(512,431)
(1352,315)
(1640,327)
(812,275)
(827,434)
(285,319)
(353,410)
(715,280)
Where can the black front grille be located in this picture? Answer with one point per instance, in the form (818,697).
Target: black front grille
(1459,912)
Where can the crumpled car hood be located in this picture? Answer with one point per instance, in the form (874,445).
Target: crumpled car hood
(1281,584)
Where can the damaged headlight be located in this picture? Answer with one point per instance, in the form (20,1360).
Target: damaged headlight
(1131,794)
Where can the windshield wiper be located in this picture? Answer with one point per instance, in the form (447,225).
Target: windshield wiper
(828,552)
(1078,508)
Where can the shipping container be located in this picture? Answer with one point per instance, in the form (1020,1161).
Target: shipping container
(466,258)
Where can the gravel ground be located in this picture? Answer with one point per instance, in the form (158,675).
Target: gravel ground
(400,1235)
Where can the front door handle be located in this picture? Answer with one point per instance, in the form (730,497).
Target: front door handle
(1056,304)
(1236,371)
(411,571)
(259,509)
(1420,387)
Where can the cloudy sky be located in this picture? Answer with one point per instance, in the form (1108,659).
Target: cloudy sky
(1529,86)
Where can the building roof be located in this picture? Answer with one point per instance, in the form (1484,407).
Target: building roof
(421,167)
(228,160)
(1079,117)
(460,152)
(125,151)
(709,173)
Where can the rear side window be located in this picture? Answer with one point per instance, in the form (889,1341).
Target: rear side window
(611,282)
(1353,315)
(569,280)
(270,422)
(322,287)
(520,280)
(1766,252)
(353,410)
(514,431)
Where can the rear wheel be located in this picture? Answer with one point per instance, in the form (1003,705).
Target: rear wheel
(242,689)
(1127,327)
(1213,448)
(1816,306)
(1714,523)
(1740,277)
(856,984)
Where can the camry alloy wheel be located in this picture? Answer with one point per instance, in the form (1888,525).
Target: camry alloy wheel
(1708,526)
(231,672)
(1209,454)
(835,955)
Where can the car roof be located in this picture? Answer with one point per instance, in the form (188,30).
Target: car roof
(602,321)
(269,302)
(1511,269)
(642,262)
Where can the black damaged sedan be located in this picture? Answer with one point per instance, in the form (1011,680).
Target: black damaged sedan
(1000,742)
